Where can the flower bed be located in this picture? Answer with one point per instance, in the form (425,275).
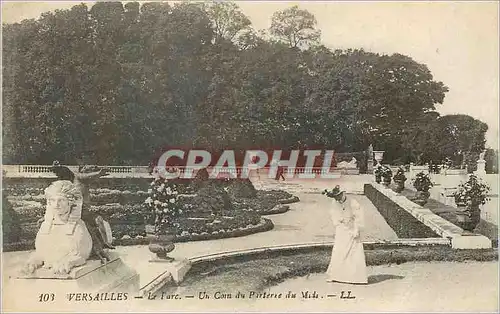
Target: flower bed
(209,214)
(266,202)
(121,197)
(28,211)
(263,225)
(137,236)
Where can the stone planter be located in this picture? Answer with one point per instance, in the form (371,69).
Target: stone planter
(379,155)
(400,186)
(160,244)
(468,217)
(421,197)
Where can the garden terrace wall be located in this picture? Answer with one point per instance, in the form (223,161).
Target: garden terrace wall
(402,222)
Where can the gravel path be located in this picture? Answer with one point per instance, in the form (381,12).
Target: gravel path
(436,287)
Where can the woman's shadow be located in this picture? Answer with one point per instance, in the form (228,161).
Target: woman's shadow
(383,277)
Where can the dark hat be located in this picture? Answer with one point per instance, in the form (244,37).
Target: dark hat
(334,193)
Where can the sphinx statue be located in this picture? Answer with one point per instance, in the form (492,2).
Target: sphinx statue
(347,165)
(63,241)
(99,229)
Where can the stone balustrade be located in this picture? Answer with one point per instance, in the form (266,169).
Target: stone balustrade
(44,171)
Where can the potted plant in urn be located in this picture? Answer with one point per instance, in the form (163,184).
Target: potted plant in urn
(468,197)
(422,184)
(400,179)
(386,175)
(162,211)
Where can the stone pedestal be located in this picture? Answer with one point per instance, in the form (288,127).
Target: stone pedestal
(172,274)
(370,166)
(93,277)
(471,241)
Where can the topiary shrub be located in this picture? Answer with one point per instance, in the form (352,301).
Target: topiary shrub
(241,188)
(210,199)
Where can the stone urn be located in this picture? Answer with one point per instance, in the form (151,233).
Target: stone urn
(400,185)
(468,217)
(160,244)
(379,155)
(386,181)
(421,197)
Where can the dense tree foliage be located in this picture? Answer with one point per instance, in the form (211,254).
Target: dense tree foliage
(116,83)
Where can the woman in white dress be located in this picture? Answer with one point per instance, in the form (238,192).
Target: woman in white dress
(347,263)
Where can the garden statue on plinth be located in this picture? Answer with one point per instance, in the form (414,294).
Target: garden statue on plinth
(481,164)
(62,259)
(468,197)
(63,241)
(98,228)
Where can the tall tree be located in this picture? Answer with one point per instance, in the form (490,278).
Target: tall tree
(295,27)
(228,21)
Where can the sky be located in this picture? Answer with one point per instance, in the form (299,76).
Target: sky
(458,41)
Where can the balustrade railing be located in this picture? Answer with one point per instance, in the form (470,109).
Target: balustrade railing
(145,171)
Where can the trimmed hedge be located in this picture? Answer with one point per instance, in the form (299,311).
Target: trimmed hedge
(402,222)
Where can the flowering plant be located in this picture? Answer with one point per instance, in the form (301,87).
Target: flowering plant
(400,175)
(473,192)
(422,182)
(386,172)
(163,206)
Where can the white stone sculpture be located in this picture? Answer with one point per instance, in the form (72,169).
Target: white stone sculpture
(347,165)
(481,155)
(63,241)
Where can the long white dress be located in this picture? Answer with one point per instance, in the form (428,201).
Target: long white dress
(347,263)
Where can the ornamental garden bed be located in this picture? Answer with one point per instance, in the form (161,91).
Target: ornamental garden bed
(264,202)
(237,205)
(134,234)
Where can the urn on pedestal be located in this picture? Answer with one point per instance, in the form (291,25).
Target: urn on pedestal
(163,209)
(422,183)
(469,196)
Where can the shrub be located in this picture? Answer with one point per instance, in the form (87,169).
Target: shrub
(422,182)
(400,175)
(473,192)
(210,199)
(241,188)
